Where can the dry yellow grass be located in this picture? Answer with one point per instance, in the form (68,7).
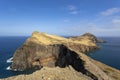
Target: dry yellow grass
(53,39)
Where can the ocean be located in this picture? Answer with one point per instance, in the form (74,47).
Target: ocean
(109,53)
(8,45)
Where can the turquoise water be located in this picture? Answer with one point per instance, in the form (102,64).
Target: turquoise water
(108,54)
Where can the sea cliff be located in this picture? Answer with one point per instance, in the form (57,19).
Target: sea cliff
(57,56)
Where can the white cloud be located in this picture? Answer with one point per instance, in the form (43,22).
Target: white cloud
(74,12)
(72,9)
(116,21)
(106,23)
(100,30)
(66,20)
(110,11)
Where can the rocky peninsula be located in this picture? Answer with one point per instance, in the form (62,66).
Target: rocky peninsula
(59,58)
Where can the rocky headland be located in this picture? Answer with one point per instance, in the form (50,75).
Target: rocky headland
(88,36)
(59,58)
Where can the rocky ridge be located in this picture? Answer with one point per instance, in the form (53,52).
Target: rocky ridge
(50,52)
(88,36)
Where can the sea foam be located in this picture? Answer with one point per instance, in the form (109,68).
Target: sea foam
(9,60)
(8,68)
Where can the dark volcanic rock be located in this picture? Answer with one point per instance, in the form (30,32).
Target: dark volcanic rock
(33,55)
(100,41)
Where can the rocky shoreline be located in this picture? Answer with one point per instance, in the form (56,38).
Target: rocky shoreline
(43,50)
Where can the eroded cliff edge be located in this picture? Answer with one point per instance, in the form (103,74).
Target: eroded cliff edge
(45,50)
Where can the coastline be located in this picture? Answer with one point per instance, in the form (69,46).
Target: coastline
(90,64)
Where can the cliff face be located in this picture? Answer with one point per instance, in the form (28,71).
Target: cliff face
(45,50)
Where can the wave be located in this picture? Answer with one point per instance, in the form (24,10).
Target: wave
(10,60)
(8,68)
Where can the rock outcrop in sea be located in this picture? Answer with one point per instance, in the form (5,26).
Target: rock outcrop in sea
(57,56)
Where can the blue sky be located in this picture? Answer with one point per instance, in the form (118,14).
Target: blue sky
(60,17)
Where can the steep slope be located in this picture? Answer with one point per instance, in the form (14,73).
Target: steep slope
(45,50)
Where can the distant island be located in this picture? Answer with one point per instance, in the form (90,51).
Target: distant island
(58,58)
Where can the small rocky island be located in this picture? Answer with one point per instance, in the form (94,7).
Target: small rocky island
(59,58)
